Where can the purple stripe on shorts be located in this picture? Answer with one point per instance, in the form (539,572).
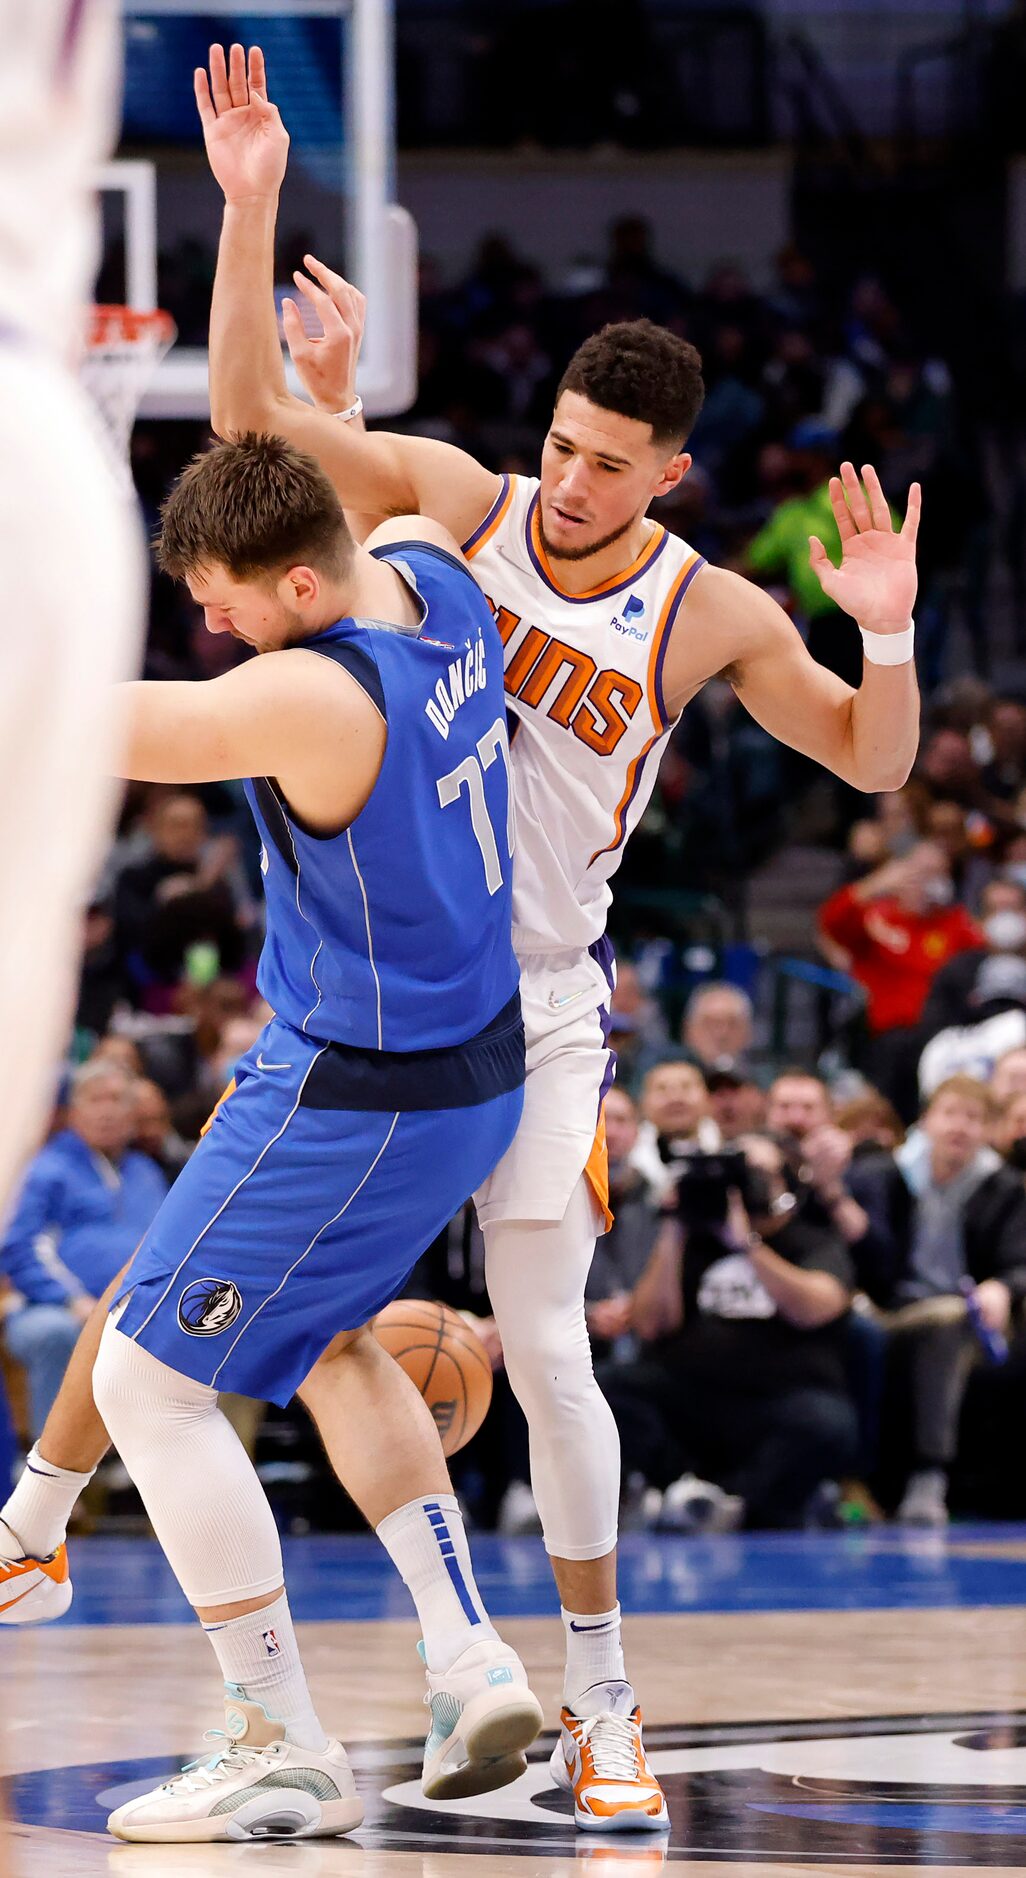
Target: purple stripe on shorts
(604,956)
(609,1073)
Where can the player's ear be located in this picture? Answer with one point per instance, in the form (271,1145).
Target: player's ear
(300,587)
(673,472)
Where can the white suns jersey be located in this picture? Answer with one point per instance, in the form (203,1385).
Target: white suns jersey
(588,723)
(59,99)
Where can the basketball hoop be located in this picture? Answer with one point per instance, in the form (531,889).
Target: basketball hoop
(123,348)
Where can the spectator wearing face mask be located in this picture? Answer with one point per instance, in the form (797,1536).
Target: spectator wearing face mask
(897,928)
(1002,933)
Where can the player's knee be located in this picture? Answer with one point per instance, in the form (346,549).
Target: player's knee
(347,1344)
(136,1394)
(549,1372)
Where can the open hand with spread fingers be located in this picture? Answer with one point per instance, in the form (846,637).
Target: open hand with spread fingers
(877,580)
(247,143)
(326,361)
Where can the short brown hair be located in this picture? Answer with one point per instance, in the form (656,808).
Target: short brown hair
(968,1089)
(640,370)
(256,507)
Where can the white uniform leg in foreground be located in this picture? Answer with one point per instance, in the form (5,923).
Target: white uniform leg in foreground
(71,584)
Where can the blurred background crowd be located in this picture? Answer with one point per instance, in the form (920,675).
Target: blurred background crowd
(810,1306)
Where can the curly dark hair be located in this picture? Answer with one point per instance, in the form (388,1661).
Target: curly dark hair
(643,371)
(255,506)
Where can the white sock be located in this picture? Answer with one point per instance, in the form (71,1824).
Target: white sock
(428,1546)
(594,1652)
(41,1504)
(259,1655)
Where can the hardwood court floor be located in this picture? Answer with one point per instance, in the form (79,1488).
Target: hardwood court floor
(852,1704)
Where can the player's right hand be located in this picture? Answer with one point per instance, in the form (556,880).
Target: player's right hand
(326,361)
(247,143)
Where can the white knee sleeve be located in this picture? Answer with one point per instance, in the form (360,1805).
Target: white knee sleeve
(194,1477)
(536,1274)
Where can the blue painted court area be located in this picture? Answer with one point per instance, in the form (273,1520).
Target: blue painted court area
(127,1581)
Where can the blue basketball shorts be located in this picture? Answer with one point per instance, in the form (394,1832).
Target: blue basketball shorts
(300,1215)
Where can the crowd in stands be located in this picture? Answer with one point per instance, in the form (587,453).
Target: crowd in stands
(809,1290)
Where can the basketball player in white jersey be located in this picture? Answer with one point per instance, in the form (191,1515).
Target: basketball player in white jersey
(70,556)
(610,626)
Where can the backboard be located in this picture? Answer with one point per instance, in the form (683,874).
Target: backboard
(330,71)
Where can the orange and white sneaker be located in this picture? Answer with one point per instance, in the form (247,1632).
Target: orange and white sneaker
(600,1759)
(32,1590)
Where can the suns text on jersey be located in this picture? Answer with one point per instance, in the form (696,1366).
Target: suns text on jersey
(466,676)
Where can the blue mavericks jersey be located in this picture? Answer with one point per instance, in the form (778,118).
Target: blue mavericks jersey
(395,934)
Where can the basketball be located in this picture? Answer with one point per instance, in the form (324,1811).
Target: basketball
(446,1361)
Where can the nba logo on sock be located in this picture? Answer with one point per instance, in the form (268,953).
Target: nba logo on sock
(271,1644)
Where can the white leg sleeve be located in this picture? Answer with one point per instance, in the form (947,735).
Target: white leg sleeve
(195,1479)
(536,1274)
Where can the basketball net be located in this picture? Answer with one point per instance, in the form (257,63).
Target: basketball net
(123,350)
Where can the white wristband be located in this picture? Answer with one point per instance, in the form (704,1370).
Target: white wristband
(889,648)
(353,411)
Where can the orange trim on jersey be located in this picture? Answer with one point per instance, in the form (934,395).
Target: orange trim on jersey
(596,1171)
(653,546)
(218,1106)
(626,799)
(493,520)
(656,653)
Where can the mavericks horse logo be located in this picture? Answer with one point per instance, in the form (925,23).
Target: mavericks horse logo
(208,1306)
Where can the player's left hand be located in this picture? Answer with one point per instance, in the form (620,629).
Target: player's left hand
(326,362)
(876,582)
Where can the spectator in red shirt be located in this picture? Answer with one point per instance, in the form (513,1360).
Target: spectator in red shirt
(893,931)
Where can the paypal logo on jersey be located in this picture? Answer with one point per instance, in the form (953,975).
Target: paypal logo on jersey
(465,676)
(625,622)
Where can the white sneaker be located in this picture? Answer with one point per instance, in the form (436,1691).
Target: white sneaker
(483,1716)
(257,1786)
(518,1512)
(699,1506)
(32,1590)
(925,1501)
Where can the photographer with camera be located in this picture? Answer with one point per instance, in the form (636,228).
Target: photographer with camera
(738,1409)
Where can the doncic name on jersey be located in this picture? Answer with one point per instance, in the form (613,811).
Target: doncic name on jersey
(466,675)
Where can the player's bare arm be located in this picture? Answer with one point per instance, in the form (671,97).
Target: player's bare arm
(247,146)
(867,737)
(291,715)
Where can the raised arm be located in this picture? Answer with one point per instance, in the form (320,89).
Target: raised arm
(381,473)
(867,737)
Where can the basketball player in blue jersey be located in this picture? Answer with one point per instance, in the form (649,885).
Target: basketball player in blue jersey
(384,1090)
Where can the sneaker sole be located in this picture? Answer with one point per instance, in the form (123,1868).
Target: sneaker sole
(336,1818)
(41,1604)
(623,1822)
(493,1732)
